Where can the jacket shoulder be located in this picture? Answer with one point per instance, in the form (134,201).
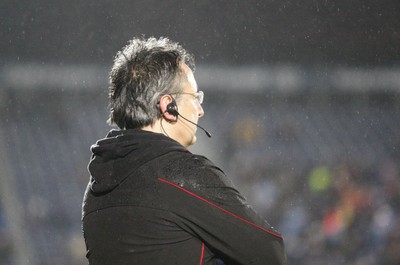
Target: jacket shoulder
(197,174)
(190,169)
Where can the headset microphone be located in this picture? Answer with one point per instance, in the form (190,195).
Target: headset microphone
(172,108)
(206,132)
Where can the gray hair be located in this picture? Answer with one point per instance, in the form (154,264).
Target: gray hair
(143,71)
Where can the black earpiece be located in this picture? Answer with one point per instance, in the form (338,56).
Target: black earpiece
(172,108)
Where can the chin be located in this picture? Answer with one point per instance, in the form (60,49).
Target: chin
(194,140)
(190,142)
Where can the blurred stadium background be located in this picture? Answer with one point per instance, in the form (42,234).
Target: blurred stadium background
(302,99)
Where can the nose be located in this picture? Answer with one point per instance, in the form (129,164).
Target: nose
(200,111)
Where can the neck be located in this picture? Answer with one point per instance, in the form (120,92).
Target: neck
(156,127)
(163,127)
(167,128)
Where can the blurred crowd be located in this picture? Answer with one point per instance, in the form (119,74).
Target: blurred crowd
(344,212)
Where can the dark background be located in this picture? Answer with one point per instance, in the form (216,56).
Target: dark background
(338,32)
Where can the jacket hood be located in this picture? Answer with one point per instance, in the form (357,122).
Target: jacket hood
(115,157)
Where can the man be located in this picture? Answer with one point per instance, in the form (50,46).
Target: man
(149,200)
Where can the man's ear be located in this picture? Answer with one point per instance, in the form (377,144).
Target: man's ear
(164,102)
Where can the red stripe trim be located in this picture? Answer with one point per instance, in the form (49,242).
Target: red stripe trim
(219,208)
(202,253)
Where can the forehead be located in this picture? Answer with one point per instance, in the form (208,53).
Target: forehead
(192,84)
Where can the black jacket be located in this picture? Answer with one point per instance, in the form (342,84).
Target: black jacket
(150,201)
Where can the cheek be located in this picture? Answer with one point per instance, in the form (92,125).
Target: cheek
(196,107)
(195,112)
(191,109)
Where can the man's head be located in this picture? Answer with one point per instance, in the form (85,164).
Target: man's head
(147,75)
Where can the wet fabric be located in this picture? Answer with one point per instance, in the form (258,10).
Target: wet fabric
(150,201)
